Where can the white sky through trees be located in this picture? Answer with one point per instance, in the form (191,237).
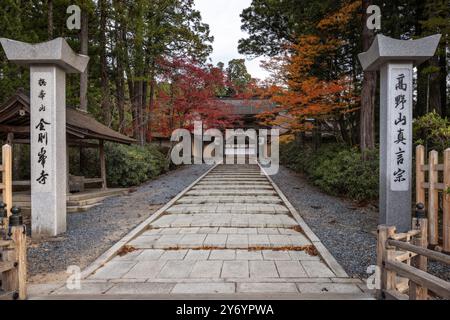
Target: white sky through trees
(225,25)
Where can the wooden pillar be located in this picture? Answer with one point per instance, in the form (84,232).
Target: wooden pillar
(7,177)
(68,167)
(417,292)
(10,138)
(420,174)
(446,202)
(102,164)
(14,280)
(433,199)
(388,278)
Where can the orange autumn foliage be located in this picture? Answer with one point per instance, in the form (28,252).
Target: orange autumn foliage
(299,92)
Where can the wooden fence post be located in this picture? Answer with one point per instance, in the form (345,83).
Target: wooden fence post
(417,292)
(15,279)
(446,202)
(433,199)
(7,177)
(388,278)
(420,174)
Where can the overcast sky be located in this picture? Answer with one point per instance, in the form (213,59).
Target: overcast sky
(225,25)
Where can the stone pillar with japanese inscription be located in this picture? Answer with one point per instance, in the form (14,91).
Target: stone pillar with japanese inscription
(49,62)
(396,60)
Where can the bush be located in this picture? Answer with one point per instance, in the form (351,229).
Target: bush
(336,169)
(432,130)
(132,165)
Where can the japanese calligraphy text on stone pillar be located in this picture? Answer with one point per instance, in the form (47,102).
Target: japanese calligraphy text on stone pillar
(42,128)
(400,106)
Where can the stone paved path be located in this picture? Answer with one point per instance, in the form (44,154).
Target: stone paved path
(231,232)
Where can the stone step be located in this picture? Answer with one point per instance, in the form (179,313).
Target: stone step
(97,194)
(230,192)
(222,241)
(251,174)
(227,208)
(232,187)
(255,178)
(77,209)
(222,177)
(240,183)
(236,172)
(221,230)
(229,199)
(225,220)
(86,202)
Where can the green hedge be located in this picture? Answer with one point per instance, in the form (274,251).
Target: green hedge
(433,131)
(336,169)
(132,165)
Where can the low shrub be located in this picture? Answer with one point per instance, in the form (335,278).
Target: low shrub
(132,165)
(433,131)
(336,169)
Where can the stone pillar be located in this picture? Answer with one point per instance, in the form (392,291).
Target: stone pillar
(395,59)
(396,144)
(48,149)
(49,62)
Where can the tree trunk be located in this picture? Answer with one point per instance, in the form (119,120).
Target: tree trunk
(106,108)
(120,86)
(443,82)
(144,112)
(422,77)
(119,37)
(50,19)
(367,114)
(137,103)
(151,107)
(84,42)
(434,101)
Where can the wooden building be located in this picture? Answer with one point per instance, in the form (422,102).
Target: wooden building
(83,131)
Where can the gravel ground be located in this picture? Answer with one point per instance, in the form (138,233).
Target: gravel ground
(348,231)
(93,232)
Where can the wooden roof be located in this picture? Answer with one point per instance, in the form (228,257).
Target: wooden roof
(15,117)
(248,107)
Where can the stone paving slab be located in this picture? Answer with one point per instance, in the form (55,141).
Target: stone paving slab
(213,183)
(229,199)
(227,208)
(262,287)
(233,187)
(207,269)
(234,180)
(145,270)
(225,220)
(176,269)
(206,287)
(223,241)
(86,289)
(141,288)
(328,288)
(113,270)
(230,192)
(235,269)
